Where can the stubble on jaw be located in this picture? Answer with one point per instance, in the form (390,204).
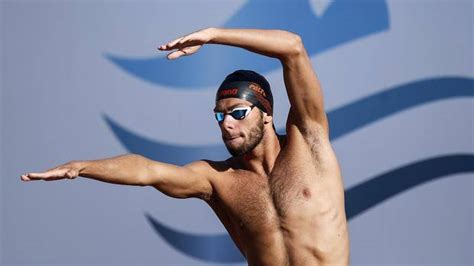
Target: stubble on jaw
(255,137)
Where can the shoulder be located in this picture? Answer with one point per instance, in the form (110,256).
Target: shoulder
(215,173)
(209,167)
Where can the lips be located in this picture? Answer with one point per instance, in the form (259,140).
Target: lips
(231,138)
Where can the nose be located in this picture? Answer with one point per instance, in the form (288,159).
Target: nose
(228,122)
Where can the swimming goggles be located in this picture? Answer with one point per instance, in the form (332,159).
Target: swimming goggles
(237,113)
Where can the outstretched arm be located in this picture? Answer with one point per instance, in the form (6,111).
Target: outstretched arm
(191,180)
(302,85)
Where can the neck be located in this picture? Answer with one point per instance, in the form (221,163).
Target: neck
(262,158)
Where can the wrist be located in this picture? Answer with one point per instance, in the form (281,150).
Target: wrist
(213,34)
(78,166)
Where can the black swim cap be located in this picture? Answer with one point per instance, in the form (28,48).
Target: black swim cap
(247,85)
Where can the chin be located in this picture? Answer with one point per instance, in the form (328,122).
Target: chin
(236,150)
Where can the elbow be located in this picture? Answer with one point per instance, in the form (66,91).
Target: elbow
(142,172)
(295,47)
(142,180)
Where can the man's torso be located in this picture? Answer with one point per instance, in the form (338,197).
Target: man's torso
(293,216)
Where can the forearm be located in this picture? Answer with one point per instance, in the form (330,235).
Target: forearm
(273,43)
(129,169)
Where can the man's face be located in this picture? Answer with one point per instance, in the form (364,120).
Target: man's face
(240,136)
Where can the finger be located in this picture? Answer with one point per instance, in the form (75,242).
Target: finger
(170,45)
(53,178)
(175,54)
(183,40)
(29,177)
(52,173)
(191,49)
(37,175)
(183,52)
(162,47)
(25,178)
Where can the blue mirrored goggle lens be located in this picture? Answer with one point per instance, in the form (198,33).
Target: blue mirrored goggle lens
(220,117)
(238,114)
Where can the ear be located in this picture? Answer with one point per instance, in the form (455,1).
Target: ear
(267,118)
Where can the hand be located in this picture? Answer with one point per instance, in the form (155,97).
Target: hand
(68,170)
(188,44)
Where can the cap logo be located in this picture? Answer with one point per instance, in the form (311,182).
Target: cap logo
(226,92)
(257,89)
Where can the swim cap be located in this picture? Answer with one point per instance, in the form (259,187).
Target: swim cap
(247,85)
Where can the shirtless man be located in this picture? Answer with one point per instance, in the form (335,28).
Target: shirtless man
(281,198)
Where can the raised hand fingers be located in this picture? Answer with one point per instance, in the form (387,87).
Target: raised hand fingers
(175,44)
(184,51)
(187,44)
(176,54)
(170,45)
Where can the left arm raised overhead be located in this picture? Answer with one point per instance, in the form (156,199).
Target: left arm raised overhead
(302,85)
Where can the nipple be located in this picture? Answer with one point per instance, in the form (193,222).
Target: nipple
(306,193)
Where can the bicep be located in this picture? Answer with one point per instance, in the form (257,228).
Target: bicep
(191,180)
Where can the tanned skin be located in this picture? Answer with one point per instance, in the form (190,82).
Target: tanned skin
(282,202)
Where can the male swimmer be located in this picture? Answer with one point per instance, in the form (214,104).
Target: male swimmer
(281,198)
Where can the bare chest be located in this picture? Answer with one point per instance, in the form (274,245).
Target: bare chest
(287,192)
(302,179)
(245,200)
(252,203)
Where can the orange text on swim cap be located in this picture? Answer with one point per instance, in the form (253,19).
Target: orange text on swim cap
(257,89)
